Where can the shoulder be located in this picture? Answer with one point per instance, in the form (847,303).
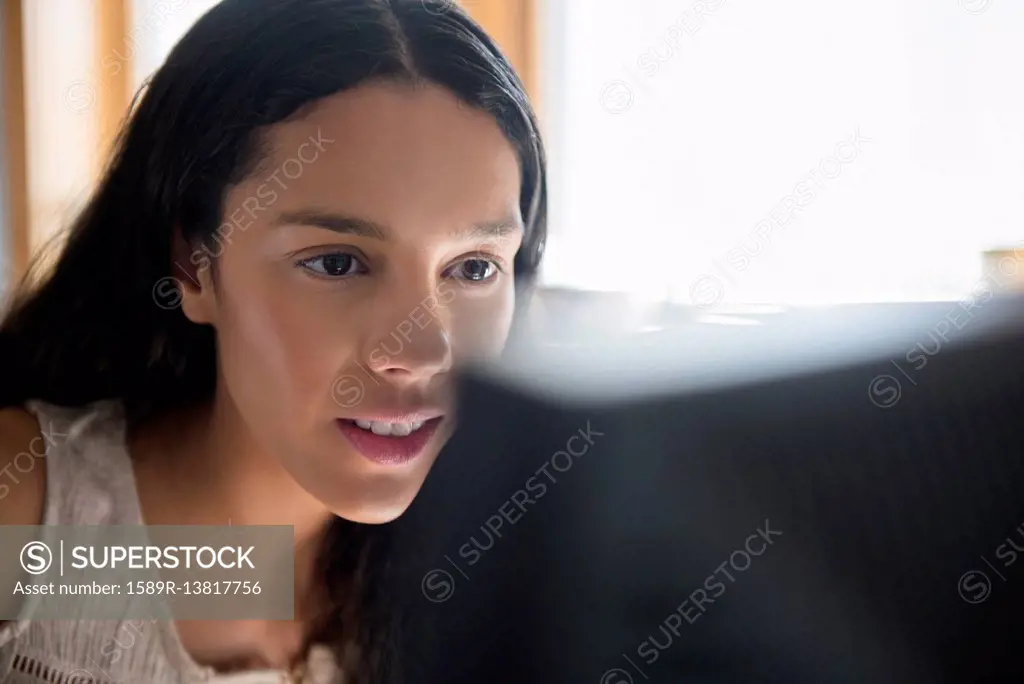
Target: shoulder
(22,478)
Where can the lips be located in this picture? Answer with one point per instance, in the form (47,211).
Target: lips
(383,442)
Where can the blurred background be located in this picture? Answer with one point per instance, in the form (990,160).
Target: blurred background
(718,155)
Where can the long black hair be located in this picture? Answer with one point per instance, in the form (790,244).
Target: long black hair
(88,328)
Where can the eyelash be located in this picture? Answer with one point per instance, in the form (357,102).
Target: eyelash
(498,265)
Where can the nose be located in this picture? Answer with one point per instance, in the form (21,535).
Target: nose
(412,351)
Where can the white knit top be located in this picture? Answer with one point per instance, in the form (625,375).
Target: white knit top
(90,482)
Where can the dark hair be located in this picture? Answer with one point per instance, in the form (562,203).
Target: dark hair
(89,328)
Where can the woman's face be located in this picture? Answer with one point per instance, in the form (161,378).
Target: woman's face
(370,252)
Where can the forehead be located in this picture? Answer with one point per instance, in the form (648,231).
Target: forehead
(394,153)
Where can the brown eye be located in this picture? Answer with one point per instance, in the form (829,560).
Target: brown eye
(476,270)
(335,265)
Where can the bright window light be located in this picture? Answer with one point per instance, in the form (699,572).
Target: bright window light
(805,152)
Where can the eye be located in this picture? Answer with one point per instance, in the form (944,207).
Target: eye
(335,265)
(475,270)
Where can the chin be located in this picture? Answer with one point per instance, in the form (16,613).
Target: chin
(370,514)
(370,519)
(373,508)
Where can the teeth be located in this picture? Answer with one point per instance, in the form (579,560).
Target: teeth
(385,428)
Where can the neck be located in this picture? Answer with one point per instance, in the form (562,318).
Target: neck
(203,467)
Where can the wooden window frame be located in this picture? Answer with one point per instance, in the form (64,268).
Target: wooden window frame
(112,102)
(513,25)
(16,221)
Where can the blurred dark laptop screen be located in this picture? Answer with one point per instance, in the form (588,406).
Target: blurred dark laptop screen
(832,496)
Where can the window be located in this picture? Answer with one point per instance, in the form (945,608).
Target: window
(700,151)
(158,25)
(61,95)
(801,152)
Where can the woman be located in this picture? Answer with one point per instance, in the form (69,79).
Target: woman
(316,209)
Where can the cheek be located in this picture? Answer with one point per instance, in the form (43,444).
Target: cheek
(280,348)
(480,324)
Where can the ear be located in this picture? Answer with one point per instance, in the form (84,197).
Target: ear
(193,269)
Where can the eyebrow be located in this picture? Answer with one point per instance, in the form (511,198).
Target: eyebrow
(348,225)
